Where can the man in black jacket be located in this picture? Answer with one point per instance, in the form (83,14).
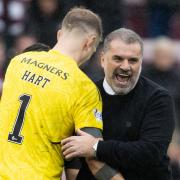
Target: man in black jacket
(137,116)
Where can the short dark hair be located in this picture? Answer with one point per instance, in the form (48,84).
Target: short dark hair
(37,47)
(126,35)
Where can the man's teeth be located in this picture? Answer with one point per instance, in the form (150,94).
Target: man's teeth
(123,75)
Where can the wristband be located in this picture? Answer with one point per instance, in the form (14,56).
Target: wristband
(106,172)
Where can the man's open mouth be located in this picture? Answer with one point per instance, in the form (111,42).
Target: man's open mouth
(123,79)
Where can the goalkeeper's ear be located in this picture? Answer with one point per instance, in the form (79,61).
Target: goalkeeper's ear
(59,34)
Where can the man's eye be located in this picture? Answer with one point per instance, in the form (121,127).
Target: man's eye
(118,59)
(133,60)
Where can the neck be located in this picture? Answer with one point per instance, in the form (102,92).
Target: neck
(71,46)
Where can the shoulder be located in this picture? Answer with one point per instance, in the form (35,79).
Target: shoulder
(150,91)
(83,85)
(85,82)
(150,86)
(86,90)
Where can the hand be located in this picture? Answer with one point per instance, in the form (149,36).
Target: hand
(174,152)
(78,146)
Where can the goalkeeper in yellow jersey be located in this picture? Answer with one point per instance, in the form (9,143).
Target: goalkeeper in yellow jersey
(46,97)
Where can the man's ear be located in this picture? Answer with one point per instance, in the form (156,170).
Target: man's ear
(59,33)
(90,42)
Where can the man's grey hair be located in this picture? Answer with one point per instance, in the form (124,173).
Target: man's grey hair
(126,35)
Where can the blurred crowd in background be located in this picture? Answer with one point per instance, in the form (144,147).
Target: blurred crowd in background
(25,22)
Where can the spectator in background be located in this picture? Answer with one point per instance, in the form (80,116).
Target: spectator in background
(43,19)
(163,71)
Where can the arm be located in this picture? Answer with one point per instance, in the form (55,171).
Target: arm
(71,174)
(100,170)
(72,168)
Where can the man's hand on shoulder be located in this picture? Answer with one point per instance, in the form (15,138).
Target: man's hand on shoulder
(79,146)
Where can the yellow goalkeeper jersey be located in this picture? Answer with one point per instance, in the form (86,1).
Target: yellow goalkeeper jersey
(45,98)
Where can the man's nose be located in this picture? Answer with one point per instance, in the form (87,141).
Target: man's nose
(125,65)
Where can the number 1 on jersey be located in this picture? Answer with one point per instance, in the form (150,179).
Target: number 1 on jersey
(15,136)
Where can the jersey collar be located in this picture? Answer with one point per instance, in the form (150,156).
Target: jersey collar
(108,88)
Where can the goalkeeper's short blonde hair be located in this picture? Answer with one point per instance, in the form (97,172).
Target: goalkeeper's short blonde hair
(83,19)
